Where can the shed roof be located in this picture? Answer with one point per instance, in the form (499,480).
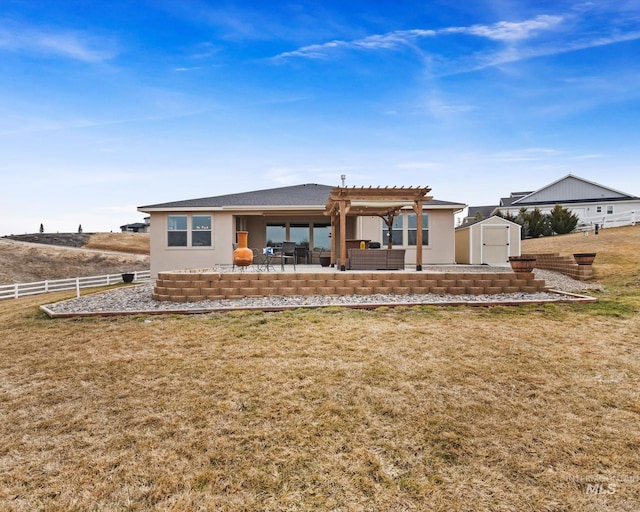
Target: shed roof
(492,218)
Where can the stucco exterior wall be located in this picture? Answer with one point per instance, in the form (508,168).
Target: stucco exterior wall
(164,258)
(224,227)
(442,241)
(441,247)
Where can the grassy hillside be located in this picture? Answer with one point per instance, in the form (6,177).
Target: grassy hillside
(617,262)
(23,263)
(136,243)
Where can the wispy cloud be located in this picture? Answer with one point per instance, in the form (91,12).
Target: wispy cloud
(49,125)
(514,40)
(513,54)
(526,155)
(507,30)
(416,165)
(388,41)
(502,31)
(283,176)
(68,44)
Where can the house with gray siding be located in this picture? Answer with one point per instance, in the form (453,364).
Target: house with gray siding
(591,202)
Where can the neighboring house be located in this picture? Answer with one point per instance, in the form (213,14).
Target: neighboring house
(487,241)
(475,213)
(136,227)
(591,202)
(199,233)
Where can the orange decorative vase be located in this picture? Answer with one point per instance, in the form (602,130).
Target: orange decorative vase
(242,256)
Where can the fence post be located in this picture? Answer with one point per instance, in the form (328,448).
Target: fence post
(77,287)
(15,291)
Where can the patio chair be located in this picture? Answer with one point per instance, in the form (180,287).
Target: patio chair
(287,252)
(257,259)
(234,246)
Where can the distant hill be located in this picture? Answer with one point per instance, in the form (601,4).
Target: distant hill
(137,243)
(63,255)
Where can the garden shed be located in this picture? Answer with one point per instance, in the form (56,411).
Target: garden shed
(488,241)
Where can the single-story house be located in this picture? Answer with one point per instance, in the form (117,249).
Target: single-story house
(200,233)
(136,227)
(488,241)
(591,202)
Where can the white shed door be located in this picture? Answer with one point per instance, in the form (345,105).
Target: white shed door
(495,244)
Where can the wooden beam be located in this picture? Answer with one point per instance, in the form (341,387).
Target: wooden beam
(418,209)
(343,236)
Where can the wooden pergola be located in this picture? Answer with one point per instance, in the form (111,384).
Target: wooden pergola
(381,202)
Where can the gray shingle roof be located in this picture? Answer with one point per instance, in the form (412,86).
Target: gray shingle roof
(485,211)
(309,194)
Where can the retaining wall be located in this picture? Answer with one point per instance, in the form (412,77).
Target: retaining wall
(564,264)
(196,285)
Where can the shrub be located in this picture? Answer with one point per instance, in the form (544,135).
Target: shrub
(562,221)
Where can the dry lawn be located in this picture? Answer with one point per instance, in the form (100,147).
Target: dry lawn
(529,408)
(136,243)
(618,252)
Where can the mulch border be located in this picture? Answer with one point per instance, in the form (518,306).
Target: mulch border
(564,297)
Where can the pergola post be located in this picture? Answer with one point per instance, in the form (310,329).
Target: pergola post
(343,236)
(333,242)
(418,210)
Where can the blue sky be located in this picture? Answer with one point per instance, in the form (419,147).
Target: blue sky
(106,106)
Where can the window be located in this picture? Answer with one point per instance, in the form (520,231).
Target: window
(178,234)
(321,236)
(177,231)
(609,210)
(598,209)
(299,233)
(201,231)
(404,229)
(396,231)
(276,234)
(412,224)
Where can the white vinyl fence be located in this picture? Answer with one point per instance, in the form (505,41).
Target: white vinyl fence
(15,291)
(612,220)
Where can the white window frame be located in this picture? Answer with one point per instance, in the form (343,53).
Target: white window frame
(189,231)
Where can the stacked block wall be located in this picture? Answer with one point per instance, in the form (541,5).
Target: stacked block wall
(192,286)
(564,264)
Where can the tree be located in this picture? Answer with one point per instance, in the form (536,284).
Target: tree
(478,216)
(80,228)
(535,223)
(506,216)
(562,221)
(41,228)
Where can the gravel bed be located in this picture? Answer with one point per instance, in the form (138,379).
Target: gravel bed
(137,299)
